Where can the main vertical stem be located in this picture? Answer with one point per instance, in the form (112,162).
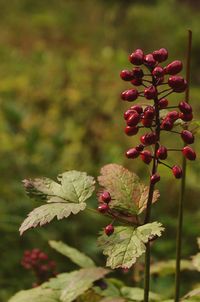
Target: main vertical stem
(149,203)
(182,194)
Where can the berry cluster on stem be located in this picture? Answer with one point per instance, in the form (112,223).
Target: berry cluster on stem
(40,264)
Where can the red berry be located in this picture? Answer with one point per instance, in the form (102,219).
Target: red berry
(173,115)
(177,171)
(132,153)
(139,50)
(137,72)
(186,117)
(150,93)
(131,130)
(176,82)
(105,196)
(136,82)
(109,229)
(147,122)
(159,80)
(136,58)
(127,113)
(155,178)
(149,138)
(127,75)
(185,107)
(187,137)
(137,108)
(182,88)
(158,72)
(160,55)
(149,112)
(133,119)
(161,152)
(163,103)
(167,124)
(189,153)
(129,95)
(139,147)
(149,60)
(103,208)
(174,67)
(42,256)
(146,156)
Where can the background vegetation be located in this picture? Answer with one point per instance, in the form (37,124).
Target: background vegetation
(60,109)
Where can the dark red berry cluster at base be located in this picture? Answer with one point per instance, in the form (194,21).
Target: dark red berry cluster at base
(40,264)
(157,82)
(104,200)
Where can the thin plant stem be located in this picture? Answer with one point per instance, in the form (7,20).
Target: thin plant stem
(149,203)
(182,194)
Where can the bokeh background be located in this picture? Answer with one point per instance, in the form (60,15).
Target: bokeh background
(60,110)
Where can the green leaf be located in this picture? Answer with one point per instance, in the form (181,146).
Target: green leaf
(196,261)
(164,268)
(63,198)
(37,294)
(128,194)
(195,293)
(73,254)
(73,186)
(137,294)
(127,243)
(47,212)
(113,299)
(75,283)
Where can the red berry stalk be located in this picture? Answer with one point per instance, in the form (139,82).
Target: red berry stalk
(138,117)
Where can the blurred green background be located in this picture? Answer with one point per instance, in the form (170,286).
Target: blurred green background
(60,109)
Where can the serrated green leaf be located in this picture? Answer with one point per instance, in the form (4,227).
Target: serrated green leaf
(37,294)
(127,243)
(73,186)
(137,294)
(128,194)
(47,212)
(75,283)
(73,254)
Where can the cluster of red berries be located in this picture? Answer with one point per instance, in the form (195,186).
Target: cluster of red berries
(39,263)
(104,200)
(138,117)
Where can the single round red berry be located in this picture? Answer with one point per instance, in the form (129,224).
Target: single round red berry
(173,115)
(161,152)
(105,196)
(139,147)
(189,153)
(149,60)
(149,112)
(136,82)
(163,103)
(146,156)
(137,108)
(176,82)
(158,72)
(147,122)
(109,230)
(136,58)
(174,67)
(131,130)
(150,93)
(187,137)
(185,107)
(128,112)
(186,117)
(160,55)
(167,124)
(133,119)
(177,171)
(132,153)
(127,75)
(155,178)
(182,88)
(103,208)
(149,138)
(137,72)
(129,95)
